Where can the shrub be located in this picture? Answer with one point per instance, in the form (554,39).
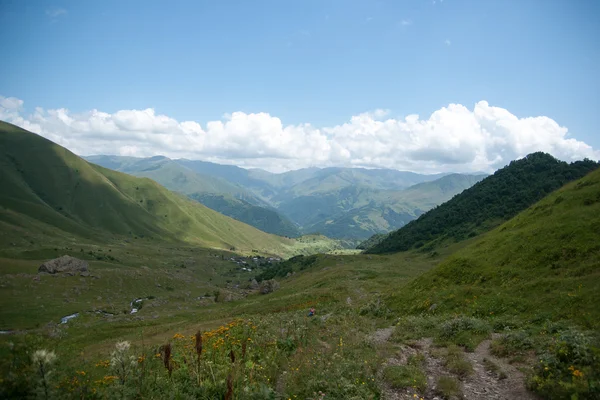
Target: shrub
(412,327)
(448,387)
(512,343)
(569,368)
(464,331)
(455,361)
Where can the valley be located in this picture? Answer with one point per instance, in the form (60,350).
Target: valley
(490,293)
(350,204)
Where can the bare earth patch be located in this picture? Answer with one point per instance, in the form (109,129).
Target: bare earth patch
(506,383)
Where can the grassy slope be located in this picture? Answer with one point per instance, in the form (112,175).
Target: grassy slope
(542,264)
(44,182)
(488,203)
(214,192)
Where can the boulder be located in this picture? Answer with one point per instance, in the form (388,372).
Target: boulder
(64,264)
(269,286)
(254,284)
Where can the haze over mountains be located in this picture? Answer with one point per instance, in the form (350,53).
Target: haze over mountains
(342,203)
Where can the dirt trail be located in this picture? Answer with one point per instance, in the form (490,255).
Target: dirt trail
(483,384)
(480,385)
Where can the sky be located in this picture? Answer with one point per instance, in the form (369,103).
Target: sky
(421,85)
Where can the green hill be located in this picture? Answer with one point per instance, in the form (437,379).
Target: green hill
(214,192)
(488,203)
(47,189)
(265,219)
(543,263)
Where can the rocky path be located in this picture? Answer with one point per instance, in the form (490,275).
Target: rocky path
(505,383)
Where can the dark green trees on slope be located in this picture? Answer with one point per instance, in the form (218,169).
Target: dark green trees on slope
(488,203)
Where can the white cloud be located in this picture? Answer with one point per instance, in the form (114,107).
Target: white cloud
(55,12)
(453,138)
(406,22)
(447,42)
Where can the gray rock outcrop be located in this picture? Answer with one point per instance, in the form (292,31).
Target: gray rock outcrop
(269,286)
(64,264)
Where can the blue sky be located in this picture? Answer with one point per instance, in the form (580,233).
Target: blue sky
(318,62)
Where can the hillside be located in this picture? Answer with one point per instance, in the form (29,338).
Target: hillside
(488,203)
(542,264)
(214,192)
(46,188)
(265,219)
(364,212)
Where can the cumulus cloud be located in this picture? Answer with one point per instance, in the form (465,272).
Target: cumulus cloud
(453,138)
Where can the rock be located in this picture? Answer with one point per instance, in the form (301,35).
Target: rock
(84,273)
(254,284)
(269,286)
(432,307)
(66,264)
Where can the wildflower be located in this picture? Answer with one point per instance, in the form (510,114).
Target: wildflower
(577,373)
(121,361)
(42,360)
(123,346)
(43,357)
(141,359)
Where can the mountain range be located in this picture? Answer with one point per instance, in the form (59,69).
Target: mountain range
(342,203)
(50,192)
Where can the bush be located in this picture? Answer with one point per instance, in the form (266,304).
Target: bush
(455,361)
(376,308)
(512,343)
(448,387)
(569,368)
(413,328)
(464,331)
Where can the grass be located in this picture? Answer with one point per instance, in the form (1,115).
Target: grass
(405,376)
(448,387)
(543,264)
(456,362)
(492,367)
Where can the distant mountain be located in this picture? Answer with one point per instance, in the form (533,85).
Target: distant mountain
(49,191)
(342,203)
(376,211)
(488,203)
(213,191)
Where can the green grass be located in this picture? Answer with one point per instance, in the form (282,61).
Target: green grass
(448,387)
(405,376)
(543,264)
(456,362)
